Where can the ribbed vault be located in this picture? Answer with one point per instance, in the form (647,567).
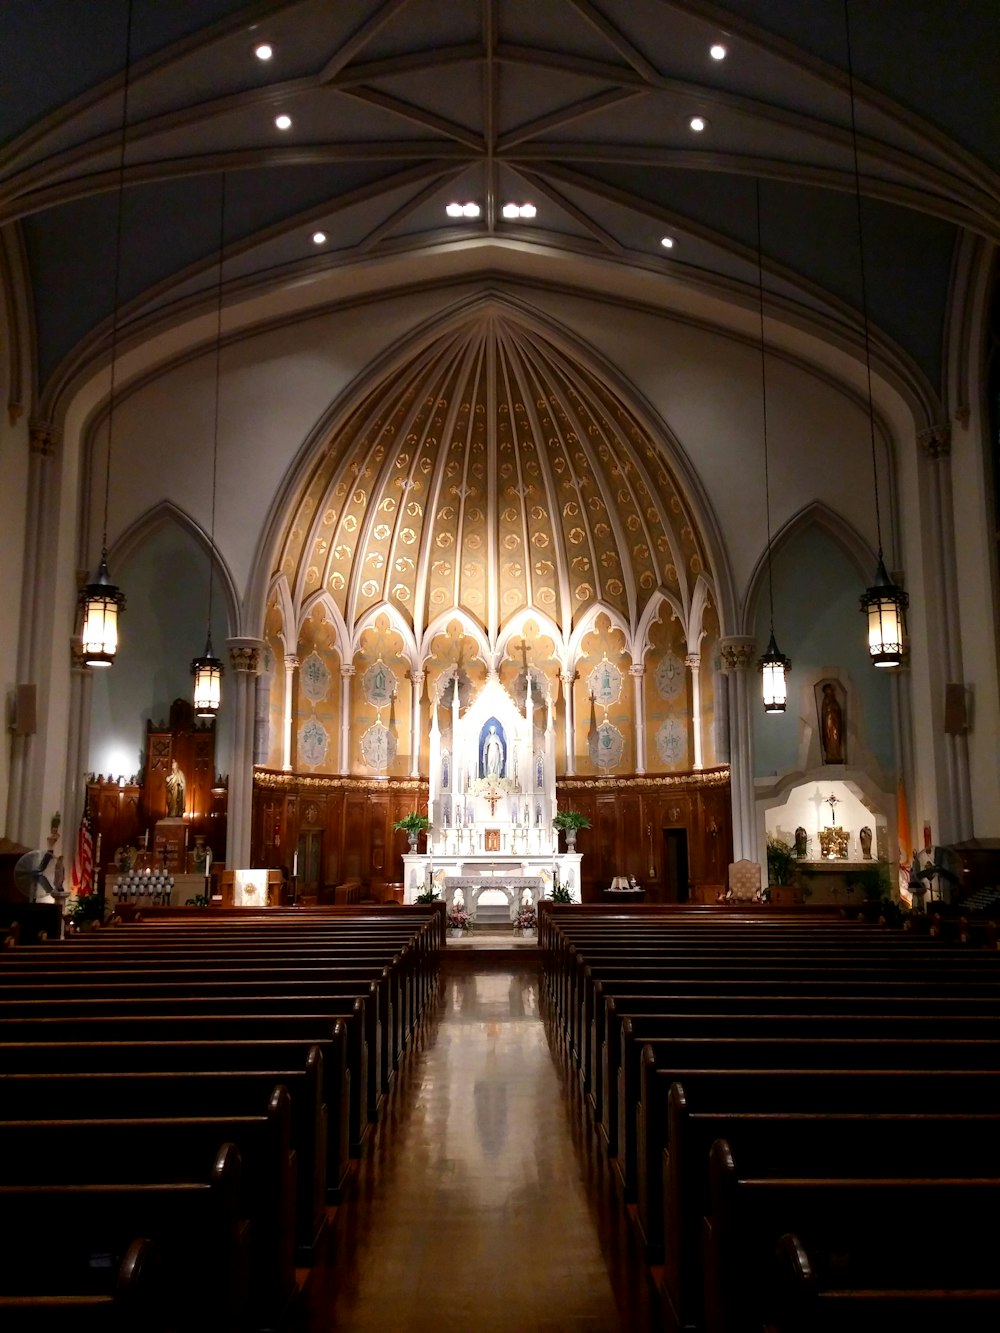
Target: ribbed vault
(493,471)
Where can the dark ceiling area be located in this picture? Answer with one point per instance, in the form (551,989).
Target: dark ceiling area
(583,108)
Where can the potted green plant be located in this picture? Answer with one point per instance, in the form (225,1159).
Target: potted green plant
(88,911)
(560,894)
(782,870)
(412,825)
(569,821)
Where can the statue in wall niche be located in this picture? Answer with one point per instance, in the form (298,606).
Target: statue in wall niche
(493,755)
(865,838)
(831,718)
(801,842)
(176,788)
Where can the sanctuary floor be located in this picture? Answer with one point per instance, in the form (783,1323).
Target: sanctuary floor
(483,1203)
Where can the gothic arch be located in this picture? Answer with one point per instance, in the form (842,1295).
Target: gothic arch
(166,514)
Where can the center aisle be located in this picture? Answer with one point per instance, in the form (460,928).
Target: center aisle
(479,1207)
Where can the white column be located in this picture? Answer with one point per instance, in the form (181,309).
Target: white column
(567,678)
(637,673)
(245,659)
(417,686)
(24,818)
(291,662)
(78,748)
(262,716)
(936,444)
(738,652)
(346,674)
(693,663)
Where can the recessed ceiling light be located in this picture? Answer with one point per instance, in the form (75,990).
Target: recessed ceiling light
(454,210)
(319,237)
(470,210)
(667,242)
(510,211)
(283,122)
(263,50)
(718,51)
(698,123)
(527,210)
(513,211)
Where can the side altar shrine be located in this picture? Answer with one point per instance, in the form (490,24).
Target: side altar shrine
(492,796)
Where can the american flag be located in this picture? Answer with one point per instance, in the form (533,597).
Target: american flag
(83,859)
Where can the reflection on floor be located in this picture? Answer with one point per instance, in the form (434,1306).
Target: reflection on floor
(483,1205)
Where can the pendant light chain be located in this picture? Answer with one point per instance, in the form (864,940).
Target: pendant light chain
(763,395)
(207,670)
(863,276)
(119,227)
(773,665)
(884,603)
(218,378)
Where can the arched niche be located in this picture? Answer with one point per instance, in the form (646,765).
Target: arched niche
(162,565)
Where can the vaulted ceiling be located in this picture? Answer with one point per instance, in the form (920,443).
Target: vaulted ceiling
(582,108)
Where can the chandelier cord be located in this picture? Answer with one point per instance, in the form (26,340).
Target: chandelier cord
(218,376)
(763,395)
(864,285)
(117,280)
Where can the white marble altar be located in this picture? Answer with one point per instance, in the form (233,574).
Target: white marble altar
(492,796)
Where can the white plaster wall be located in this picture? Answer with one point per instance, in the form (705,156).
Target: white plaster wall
(807,807)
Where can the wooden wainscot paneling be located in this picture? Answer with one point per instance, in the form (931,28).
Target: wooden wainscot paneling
(347,822)
(673,833)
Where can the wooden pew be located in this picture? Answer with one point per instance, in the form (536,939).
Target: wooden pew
(186,1057)
(809,1298)
(64,1235)
(852,1220)
(224,1029)
(134,1304)
(124,1096)
(82,1152)
(855,1127)
(844,1041)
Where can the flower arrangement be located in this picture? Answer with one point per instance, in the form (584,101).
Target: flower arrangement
(459,919)
(560,893)
(492,786)
(429,895)
(526,919)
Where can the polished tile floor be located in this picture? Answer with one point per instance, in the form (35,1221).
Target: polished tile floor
(483,1204)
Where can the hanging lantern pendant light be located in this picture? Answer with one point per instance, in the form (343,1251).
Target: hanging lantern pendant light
(101,603)
(773,666)
(774,663)
(207,672)
(885,603)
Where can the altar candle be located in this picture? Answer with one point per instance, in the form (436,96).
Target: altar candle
(295,864)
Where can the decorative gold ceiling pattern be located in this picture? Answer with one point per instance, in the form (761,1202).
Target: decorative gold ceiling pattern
(492,472)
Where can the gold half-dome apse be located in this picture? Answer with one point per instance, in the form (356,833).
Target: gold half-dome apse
(492,472)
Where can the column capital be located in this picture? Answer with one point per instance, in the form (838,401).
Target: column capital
(692,660)
(346,672)
(935,441)
(77,661)
(245,655)
(567,677)
(43,438)
(637,669)
(738,651)
(291,661)
(418,678)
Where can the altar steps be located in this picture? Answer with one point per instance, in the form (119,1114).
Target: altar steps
(493,916)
